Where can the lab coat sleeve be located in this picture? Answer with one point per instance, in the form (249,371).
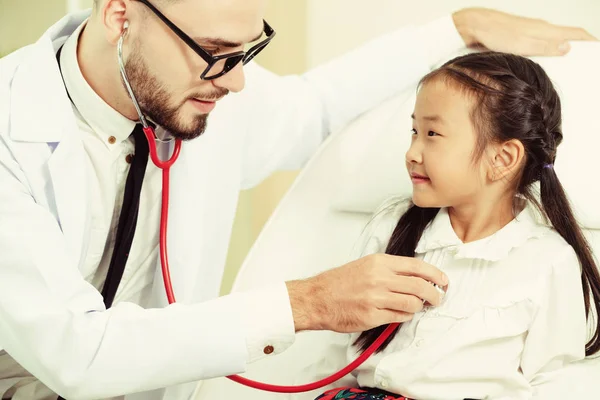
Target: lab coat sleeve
(557,335)
(291,115)
(55,325)
(268,322)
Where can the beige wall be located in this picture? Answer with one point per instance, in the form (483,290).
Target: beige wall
(287,54)
(23,21)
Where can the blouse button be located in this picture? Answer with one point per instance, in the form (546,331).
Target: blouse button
(112,140)
(268,349)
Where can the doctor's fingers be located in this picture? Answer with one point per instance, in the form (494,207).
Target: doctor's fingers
(546,31)
(410,293)
(509,33)
(409,266)
(392,316)
(399,303)
(572,33)
(540,47)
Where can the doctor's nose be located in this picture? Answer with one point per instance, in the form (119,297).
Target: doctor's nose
(234,80)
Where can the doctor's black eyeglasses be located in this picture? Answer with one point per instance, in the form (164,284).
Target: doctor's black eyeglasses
(217,65)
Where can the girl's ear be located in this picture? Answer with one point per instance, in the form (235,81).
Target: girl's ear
(506,159)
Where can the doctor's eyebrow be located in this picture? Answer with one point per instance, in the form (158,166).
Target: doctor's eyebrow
(432,118)
(218,42)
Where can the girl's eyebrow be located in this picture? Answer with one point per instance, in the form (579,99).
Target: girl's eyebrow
(432,118)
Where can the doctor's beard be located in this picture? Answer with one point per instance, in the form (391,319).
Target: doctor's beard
(154,100)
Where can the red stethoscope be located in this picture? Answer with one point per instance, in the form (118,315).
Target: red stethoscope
(165,166)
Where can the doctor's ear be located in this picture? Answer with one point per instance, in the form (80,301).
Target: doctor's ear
(113,16)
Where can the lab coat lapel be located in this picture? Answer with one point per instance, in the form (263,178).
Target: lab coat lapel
(42,118)
(68,174)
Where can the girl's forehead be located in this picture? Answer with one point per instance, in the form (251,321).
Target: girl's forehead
(441,97)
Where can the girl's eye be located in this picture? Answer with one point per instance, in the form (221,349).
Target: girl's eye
(429,133)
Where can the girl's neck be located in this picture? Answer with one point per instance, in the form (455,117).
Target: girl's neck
(476,221)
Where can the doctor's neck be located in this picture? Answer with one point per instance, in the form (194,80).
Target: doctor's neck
(97,59)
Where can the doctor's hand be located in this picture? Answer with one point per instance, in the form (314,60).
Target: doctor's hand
(508,33)
(366,293)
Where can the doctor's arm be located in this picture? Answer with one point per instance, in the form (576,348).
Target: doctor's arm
(55,325)
(289,116)
(555,344)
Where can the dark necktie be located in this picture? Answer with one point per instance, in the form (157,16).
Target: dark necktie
(128,217)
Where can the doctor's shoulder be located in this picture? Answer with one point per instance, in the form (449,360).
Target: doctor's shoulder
(9,65)
(10,62)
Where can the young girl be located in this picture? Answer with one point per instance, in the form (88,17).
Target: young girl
(523,281)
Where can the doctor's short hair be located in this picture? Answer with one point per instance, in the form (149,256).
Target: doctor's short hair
(514,99)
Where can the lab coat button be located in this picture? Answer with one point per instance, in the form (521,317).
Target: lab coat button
(419,343)
(112,140)
(269,349)
(383,383)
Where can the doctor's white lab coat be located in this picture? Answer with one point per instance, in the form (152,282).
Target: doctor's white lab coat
(52,321)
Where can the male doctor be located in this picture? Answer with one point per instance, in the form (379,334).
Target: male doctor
(83,313)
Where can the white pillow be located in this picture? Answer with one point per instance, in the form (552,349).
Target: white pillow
(373,146)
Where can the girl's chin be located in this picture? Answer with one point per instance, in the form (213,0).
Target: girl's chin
(426,201)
